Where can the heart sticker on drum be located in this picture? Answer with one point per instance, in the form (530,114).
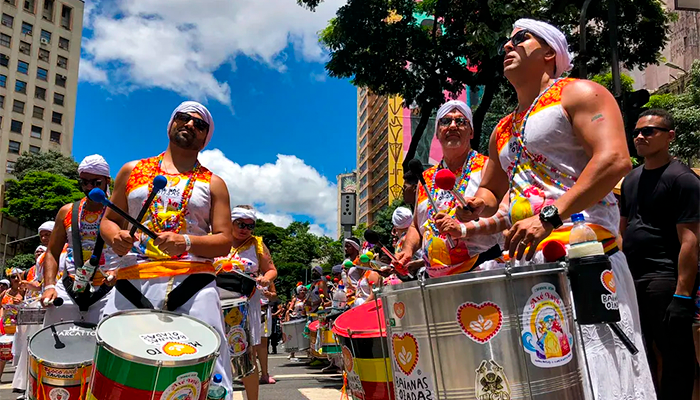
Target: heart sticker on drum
(608,280)
(177,349)
(480,322)
(347,359)
(405,349)
(399,309)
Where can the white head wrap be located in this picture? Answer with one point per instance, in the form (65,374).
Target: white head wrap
(94,164)
(5,281)
(318,269)
(242,213)
(352,243)
(553,37)
(402,218)
(300,288)
(194,107)
(452,105)
(46,226)
(40,247)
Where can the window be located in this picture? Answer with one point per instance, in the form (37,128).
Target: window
(25,48)
(5,40)
(63,43)
(55,137)
(39,93)
(58,99)
(22,67)
(29,6)
(18,106)
(42,74)
(66,13)
(10,167)
(12,2)
(20,87)
(38,112)
(44,55)
(3,80)
(4,60)
(34,149)
(16,126)
(36,132)
(60,80)
(27,29)
(45,36)
(2,101)
(14,146)
(57,117)
(8,20)
(62,62)
(47,14)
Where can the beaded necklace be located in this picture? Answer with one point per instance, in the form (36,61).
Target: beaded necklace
(176,223)
(463,181)
(84,214)
(546,171)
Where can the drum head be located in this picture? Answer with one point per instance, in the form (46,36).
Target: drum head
(363,321)
(64,344)
(151,336)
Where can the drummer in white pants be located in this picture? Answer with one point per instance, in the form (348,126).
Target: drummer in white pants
(190,217)
(79,220)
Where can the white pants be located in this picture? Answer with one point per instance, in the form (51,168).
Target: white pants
(255,318)
(205,305)
(69,311)
(21,354)
(614,372)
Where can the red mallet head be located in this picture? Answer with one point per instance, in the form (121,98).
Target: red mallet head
(445,179)
(554,251)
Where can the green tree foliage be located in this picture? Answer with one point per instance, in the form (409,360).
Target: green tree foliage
(373,49)
(21,261)
(272,234)
(685,109)
(51,161)
(37,197)
(626,81)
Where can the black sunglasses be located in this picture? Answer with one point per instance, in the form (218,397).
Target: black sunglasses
(243,225)
(199,123)
(518,38)
(447,121)
(648,131)
(90,182)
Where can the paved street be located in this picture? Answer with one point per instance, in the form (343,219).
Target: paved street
(295,381)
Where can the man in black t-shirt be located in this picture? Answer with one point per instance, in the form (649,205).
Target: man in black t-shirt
(660,225)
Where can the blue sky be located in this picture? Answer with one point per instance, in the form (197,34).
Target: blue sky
(284,129)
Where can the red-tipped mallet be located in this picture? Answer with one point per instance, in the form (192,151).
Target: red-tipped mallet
(416,167)
(446,180)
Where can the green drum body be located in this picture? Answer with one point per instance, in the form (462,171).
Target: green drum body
(150,354)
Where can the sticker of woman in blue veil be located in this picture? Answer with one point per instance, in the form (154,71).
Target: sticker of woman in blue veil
(546,333)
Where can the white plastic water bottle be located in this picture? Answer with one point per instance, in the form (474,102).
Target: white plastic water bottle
(216,390)
(582,239)
(340,299)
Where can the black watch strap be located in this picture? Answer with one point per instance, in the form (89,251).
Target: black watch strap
(553,219)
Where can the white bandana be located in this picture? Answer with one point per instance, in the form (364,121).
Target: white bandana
(46,226)
(553,37)
(402,218)
(352,243)
(194,107)
(242,213)
(94,164)
(452,105)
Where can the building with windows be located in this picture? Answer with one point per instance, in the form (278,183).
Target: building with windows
(39,57)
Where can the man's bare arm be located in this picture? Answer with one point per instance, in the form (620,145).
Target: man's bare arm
(687,258)
(55,247)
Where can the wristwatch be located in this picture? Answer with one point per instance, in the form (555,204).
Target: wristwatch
(550,214)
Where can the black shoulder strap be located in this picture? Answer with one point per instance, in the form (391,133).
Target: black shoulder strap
(75,232)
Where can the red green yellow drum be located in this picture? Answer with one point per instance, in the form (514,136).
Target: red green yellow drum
(146,354)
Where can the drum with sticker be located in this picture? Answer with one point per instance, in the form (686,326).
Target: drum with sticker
(494,334)
(60,361)
(361,333)
(152,354)
(6,347)
(238,336)
(313,337)
(293,332)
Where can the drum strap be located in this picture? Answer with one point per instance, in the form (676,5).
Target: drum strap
(175,299)
(129,291)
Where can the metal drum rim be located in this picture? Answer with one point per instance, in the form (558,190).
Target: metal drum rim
(152,363)
(54,364)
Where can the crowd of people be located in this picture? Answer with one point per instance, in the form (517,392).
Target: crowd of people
(560,152)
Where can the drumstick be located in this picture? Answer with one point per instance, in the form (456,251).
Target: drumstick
(56,302)
(625,340)
(159,183)
(372,237)
(58,344)
(417,168)
(98,195)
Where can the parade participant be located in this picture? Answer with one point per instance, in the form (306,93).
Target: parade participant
(249,254)
(8,313)
(318,288)
(191,219)
(269,294)
(277,315)
(71,244)
(352,253)
(4,286)
(370,280)
(295,310)
(661,246)
(561,152)
(410,186)
(454,132)
(35,275)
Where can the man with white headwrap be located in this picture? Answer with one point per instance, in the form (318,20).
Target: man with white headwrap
(191,219)
(559,153)
(431,228)
(73,240)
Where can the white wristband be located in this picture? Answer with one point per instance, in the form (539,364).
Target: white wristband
(47,287)
(463,228)
(188,242)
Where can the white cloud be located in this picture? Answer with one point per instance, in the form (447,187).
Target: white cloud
(320,77)
(287,187)
(178,44)
(89,72)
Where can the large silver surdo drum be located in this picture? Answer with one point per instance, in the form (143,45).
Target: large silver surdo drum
(488,335)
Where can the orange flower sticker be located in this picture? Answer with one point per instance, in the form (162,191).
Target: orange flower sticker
(480,322)
(405,349)
(176,349)
(608,280)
